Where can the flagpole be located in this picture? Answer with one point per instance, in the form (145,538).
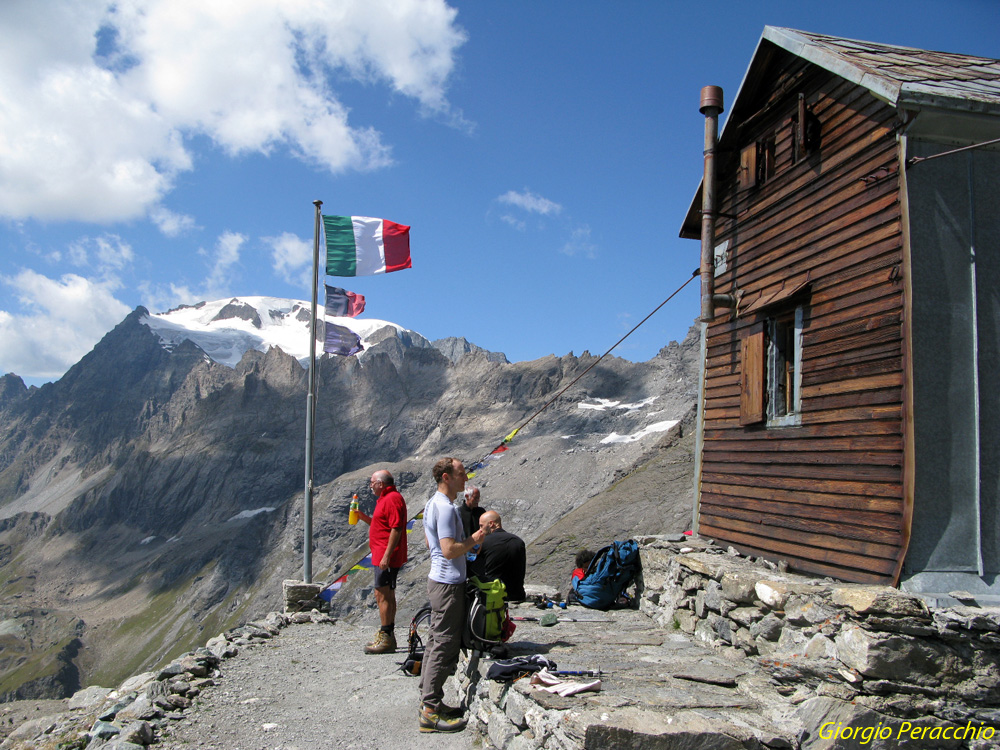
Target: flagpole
(311,410)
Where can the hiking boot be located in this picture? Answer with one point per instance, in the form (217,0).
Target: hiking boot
(384,643)
(451,712)
(436,721)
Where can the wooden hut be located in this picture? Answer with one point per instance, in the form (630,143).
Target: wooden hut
(850,410)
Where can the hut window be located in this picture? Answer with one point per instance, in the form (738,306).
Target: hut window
(756,163)
(805,131)
(784,369)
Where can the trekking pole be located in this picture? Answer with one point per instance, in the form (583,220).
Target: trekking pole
(578,672)
(562,618)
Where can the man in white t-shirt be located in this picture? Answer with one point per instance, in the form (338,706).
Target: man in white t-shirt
(446,591)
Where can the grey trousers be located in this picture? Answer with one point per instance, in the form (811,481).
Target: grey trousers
(444,640)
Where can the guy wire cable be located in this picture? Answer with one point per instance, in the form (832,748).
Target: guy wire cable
(330,590)
(503,443)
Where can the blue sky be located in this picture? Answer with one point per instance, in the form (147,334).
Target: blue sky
(159,152)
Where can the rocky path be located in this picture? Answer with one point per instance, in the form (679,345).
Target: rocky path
(310,687)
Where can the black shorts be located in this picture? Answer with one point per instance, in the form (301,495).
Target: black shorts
(386,578)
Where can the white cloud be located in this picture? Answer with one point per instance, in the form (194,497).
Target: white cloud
(226,255)
(291,258)
(106,254)
(65,318)
(518,224)
(170,223)
(579,244)
(159,299)
(531,202)
(98,98)
(220,282)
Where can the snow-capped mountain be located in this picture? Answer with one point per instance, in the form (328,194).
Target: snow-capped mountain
(156,489)
(226,329)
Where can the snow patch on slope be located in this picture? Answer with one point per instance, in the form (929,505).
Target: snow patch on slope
(614,437)
(603,404)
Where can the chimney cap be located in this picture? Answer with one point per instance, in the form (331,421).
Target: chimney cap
(711,99)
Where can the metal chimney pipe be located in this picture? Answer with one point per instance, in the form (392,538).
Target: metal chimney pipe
(711,107)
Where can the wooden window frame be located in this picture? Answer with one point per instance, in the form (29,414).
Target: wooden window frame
(806,132)
(770,379)
(783,378)
(757,161)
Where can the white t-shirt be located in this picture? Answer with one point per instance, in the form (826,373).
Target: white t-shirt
(442,520)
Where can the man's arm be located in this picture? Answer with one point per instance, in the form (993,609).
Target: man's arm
(452,549)
(362,516)
(394,536)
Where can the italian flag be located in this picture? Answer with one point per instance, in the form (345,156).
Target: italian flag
(360,246)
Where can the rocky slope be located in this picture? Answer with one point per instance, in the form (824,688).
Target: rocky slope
(153,496)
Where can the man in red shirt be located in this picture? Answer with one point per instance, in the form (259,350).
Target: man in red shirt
(387,539)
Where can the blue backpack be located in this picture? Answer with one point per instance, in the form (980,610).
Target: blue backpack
(611,571)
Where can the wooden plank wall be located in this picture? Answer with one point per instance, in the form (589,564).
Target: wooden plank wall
(825,495)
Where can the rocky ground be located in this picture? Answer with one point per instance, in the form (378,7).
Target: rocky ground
(308,686)
(311,687)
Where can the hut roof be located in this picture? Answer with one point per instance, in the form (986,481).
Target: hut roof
(904,77)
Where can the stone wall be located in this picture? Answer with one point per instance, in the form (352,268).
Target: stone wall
(863,642)
(837,654)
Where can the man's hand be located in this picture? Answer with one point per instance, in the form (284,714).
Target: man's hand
(452,549)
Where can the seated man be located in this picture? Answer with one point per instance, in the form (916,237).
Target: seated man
(501,556)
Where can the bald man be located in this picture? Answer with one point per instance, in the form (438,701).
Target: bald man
(502,556)
(387,539)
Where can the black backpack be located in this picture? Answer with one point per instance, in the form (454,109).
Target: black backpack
(415,641)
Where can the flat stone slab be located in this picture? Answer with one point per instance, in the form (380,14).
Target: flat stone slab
(640,728)
(712,674)
(881,600)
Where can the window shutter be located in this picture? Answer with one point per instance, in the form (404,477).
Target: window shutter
(748,167)
(752,376)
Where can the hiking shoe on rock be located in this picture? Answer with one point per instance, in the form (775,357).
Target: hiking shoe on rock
(436,721)
(451,711)
(384,643)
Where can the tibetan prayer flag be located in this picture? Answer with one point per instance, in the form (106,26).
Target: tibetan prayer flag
(341,303)
(364,563)
(342,341)
(360,246)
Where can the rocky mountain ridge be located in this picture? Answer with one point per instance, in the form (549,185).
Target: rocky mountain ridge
(151,496)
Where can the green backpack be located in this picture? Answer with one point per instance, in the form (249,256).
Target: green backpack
(487,614)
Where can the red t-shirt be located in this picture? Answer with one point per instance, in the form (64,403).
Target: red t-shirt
(390,513)
(578,573)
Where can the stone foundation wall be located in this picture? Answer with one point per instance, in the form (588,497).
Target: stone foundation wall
(870,645)
(512,717)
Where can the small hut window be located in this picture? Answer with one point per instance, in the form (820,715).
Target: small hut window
(806,132)
(784,369)
(757,163)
